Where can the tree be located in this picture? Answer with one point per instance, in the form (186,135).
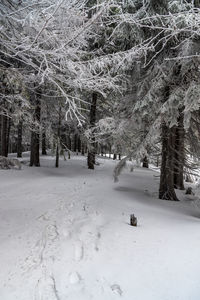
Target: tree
(92,150)
(35,133)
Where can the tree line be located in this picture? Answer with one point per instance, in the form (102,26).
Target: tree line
(91,76)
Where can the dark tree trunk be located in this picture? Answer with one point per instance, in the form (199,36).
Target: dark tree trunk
(145,162)
(0,134)
(69,144)
(101,151)
(19,139)
(35,135)
(197,3)
(75,142)
(8,134)
(86,149)
(44,151)
(110,151)
(119,156)
(91,152)
(179,156)
(114,156)
(35,148)
(58,139)
(166,189)
(4,130)
(79,144)
(82,148)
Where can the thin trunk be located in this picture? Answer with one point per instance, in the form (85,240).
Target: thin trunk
(79,144)
(82,148)
(8,134)
(68,142)
(110,151)
(58,139)
(44,151)
(0,134)
(91,152)
(101,150)
(114,156)
(75,142)
(19,139)
(4,129)
(35,135)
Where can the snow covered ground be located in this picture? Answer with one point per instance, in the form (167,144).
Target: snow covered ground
(65,234)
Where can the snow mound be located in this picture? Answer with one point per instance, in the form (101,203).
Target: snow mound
(9,163)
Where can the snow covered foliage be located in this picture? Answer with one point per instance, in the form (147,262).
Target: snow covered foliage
(9,163)
(47,42)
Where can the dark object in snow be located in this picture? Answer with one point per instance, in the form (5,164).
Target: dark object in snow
(133,220)
(9,163)
(189,191)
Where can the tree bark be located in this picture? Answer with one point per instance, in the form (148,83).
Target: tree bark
(166,189)
(197,3)
(4,129)
(91,151)
(145,162)
(179,156)
(58,139)
(35,135)
(75,143)
(8,135)
(44,151)
(114,156)
(79,144)
(19,139)
(0,134)
(82,148)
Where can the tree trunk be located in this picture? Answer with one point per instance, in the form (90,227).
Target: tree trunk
(44,151)
(91,152)
(82,148)
(4,129)
(8,134)
(0,134)
(19,139)
(75,142)
(179,156)
(197,3)
(58,139)
(114,156)
(145,162)
(166,189)
(79,144)
(69,145)
(35,135)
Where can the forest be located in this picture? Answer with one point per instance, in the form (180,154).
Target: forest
(99,130)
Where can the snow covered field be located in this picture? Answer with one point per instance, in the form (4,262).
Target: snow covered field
(65,234)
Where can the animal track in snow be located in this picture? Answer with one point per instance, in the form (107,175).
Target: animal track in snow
(116,289)
(46,289)
(74,278)
(79,251)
